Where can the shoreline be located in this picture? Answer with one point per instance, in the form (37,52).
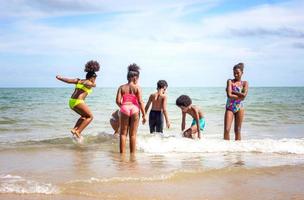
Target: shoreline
(283,182)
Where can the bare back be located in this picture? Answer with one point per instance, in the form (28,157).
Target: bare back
(193,111)
(157,101)
(128,89)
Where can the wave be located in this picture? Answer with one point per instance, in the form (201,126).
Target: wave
(87,139)
(19,185)
(161,177)
(160,144)
(157,143)
(186,174)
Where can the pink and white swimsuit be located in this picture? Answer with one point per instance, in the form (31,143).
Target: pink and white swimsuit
(129,105)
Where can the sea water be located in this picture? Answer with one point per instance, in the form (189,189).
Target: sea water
(38,155)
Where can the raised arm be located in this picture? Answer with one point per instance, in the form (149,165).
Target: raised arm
(148,104)
(68,80)
(165,111)
(118,97)
(142,106)
(229,91)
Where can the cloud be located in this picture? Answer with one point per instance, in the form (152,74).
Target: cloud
(155,35)
(299,45)
(47,8)
(262,32)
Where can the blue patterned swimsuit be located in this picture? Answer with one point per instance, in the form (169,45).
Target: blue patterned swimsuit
(235,105)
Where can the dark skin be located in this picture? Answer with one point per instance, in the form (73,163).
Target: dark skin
(159,103)
(238,116)
(115,122)
(196,114)
(82,109)
(129,124)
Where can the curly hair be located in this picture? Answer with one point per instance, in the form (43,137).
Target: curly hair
(239,66)
(91,67)
(162,84)
(183,100)
(133,71)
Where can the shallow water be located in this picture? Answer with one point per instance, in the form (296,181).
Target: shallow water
(38,156)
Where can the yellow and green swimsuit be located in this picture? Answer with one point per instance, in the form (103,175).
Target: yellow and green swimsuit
(75,102)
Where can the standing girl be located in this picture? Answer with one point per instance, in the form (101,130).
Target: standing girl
(130,102)
(83,87)
(236,92)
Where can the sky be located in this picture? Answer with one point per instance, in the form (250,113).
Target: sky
(186,42)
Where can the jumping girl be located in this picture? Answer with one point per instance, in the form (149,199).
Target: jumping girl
(83,87)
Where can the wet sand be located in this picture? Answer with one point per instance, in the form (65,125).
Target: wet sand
(284,182)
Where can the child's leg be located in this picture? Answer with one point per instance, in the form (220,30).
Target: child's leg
(79,121)
(133,131)
(159,122)
(124,125)
(227,124)
(87,116)
(239,116)
(152,122)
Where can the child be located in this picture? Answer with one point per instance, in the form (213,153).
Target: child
(198,124)
(236,92)
(129,100)
(83,87)
(159,108)
(114,121)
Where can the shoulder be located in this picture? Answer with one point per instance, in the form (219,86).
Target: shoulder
(120,88)
(196,108)
(229,81)
(82,81)
(163,96)
(137,88)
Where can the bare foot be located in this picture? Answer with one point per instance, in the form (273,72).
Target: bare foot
(73,131)
(116,135)
(77,134)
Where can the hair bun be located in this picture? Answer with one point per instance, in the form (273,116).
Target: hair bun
(133,67)
(92,66)
(239,66)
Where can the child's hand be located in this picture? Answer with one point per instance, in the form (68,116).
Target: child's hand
(144,120)
(168,124)
(58,77)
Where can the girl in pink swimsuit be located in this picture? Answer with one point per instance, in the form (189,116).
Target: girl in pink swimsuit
(129,100)
(236,92)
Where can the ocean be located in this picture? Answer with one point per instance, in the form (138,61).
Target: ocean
(39,159)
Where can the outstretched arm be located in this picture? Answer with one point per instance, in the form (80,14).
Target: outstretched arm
(148,104)
(142,106)
(68,80)
(197,123)
(165,111)
(183,121)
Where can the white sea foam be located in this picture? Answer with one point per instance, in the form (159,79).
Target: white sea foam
(161,177)
(160,144)
(19,185)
